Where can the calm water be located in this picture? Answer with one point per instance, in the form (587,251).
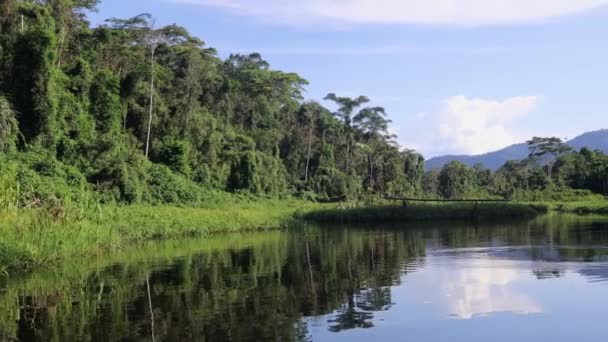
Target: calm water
(531,281)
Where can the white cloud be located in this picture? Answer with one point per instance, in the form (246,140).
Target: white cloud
(474,126)
(442,12)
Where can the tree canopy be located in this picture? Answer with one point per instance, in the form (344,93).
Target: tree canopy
(132,112)
(141,113)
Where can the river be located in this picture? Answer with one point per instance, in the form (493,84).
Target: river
(544,279)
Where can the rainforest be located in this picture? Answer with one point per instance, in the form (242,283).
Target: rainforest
(126,131)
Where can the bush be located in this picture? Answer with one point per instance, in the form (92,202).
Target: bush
(165,186)
(555,195)
(40,177)
(332,183)
(175,154)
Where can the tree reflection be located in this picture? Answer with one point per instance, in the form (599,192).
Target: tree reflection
(268,289)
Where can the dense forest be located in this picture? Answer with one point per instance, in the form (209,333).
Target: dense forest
(133,113)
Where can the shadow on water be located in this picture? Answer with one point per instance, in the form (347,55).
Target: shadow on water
(280,286)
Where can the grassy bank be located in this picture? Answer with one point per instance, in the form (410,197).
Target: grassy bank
(425,212)
(31,238)
(582,208)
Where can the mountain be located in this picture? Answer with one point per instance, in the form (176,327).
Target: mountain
(596,140)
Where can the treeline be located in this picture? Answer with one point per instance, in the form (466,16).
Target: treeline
(144,114)
(552,171)
(134,113)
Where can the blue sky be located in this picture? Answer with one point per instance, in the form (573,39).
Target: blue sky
(456,76)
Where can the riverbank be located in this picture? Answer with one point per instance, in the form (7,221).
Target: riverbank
(581,208)
(425,212)
(33,238)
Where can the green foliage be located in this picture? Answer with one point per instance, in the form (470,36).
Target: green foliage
(38,178)
(331,183)
(9,187)
(548,149)
(57,230)
(75,112)
(34,76)
(430,183)
(164,186)
(402,187)
(8,126)
(455,180)
(540,147)
(597,206)
(555,194)
(83,97)
(585,169)
(174,154)
(105,102)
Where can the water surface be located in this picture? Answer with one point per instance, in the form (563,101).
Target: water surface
(510,281)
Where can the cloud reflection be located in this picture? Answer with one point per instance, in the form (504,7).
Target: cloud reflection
(481,287)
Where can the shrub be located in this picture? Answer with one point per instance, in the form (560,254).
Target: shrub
(165,186)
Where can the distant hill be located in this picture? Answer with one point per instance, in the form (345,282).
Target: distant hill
(597,140)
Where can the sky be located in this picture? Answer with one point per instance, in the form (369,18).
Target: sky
(455,76)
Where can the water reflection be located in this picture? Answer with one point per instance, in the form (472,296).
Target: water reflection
(315,284)
(481,287)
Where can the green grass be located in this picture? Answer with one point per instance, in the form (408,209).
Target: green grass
(51,233)
(33,238)
(425,212)
(583,207)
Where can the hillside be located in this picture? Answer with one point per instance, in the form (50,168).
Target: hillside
(596,140)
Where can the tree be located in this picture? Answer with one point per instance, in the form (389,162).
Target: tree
(35,79)
(345,112)
(455,180)
(511,176)
(585,169)
(105,102)
(373,124)
(547,148)
(145,113)
(141,31)
(152,39)
(413,164)
(430,183)
(483,176)
(312,112)
(70,16)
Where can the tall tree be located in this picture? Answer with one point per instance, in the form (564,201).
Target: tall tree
(312,113)
(145,113)
(374,125)
(346,109)
(548,149)
(152,39)
(455,180)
